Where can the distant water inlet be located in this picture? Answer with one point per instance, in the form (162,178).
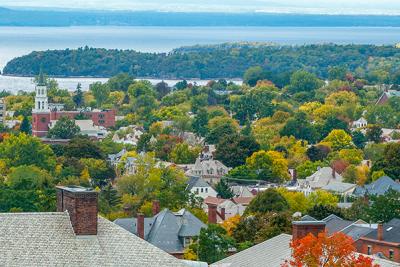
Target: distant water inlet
(26,84)
(17,41)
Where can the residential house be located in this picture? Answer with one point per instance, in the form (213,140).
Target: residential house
(360,123)
(209,169)
(129,135)
(87,127)
(379,187)
(383,241)
(74,236)
(115,159)
(322,177)
(167,230)
(192,139)
(199,187)
(241,191)
(276,251)
(226,208)
(2,111)
(386,95)
(389,135)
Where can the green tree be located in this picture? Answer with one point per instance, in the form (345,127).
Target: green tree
(390,163)
(253,75)
(307,168)
(303,81)
(300,127)
(234,149)
(78,96)
(200,122)
(374,133)
(109,200)
(359,139)
(120,82)
(23,149)
(220,128)
(100,172)
(83,147)
(28,177)
(213,243)
(183,154)
(224,190)
(337,73)
(320,211)
(269,200)
(385,207)
(25,126)
(318,152)
(64,128)
(100,92)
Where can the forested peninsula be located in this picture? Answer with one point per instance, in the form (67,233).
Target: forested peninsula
(231,60)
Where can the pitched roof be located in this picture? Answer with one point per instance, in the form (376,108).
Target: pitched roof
(308,218)
(165,229)
(356,231)
(339,187)
(196,181)
(214,200)
(272,253)
(379,187)
(243,200)
(322,177)
(335,224)
(47,239)
(391,232)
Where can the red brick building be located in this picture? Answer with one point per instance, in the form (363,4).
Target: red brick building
(42,115)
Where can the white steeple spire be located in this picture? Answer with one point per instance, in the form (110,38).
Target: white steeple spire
(41,100)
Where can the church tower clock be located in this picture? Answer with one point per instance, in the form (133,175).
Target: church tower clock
(41,111)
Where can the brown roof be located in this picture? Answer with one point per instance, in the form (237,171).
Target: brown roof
(213,200)
(242,200)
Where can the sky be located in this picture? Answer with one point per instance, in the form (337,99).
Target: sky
(390,7)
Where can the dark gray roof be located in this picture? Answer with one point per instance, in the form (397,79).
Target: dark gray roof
(196,181)
(379,187)
(391,232)
(48,239)
(307,218)
(356,231)
(167,229)
(336,224)
(272,253)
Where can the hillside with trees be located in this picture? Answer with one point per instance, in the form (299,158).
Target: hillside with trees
(373,63)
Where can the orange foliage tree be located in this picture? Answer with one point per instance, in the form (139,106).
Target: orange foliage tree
(336,250)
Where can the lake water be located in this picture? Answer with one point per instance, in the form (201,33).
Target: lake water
(17,41)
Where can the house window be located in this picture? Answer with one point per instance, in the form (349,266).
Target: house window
(391,254)
(197,191)
(202,190)
(43,119)
(101,121)
(369,250)
(206,190)
(101,116)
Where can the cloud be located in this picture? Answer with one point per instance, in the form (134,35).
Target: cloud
(302,6)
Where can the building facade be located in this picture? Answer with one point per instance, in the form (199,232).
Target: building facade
(42,115)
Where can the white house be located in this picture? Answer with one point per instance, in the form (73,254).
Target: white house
(209,169)
(199,187)
(229,205)
(322,177)
(360,123)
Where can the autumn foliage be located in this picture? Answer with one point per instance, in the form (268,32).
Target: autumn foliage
(336,250)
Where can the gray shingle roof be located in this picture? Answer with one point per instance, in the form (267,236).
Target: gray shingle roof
(166,229)
(196,181)
(272,253)
(47,239)
(355,231)
(379,187)
(391,232)
(335,224)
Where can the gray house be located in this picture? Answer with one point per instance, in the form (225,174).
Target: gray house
(379,187)
(167,230)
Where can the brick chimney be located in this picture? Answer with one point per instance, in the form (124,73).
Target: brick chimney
(380,232)
(212,213)
(302,228)
(140,225)
(333,172)
(221,214)
(81,204)
(156,207)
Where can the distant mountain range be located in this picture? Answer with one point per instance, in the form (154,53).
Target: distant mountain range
(60,18)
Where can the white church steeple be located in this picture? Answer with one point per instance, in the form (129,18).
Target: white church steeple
(41,100)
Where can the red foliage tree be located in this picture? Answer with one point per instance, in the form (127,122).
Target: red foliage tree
(336,250)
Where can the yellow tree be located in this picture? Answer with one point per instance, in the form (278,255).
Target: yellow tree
(338,139)
(230,224)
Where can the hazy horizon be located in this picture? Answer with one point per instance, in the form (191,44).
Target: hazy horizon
(350,7)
